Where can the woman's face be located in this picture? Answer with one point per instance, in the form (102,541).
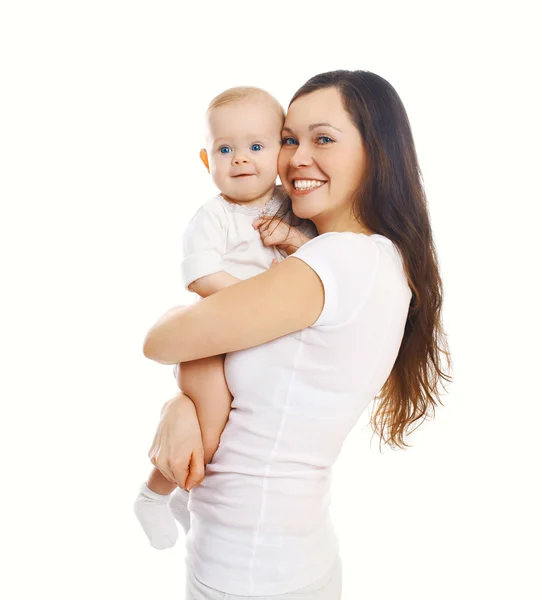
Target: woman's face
(322,160)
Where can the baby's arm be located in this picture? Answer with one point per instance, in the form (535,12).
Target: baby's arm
(279,233)
(205,286)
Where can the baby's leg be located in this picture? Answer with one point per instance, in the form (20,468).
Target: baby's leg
(153,513)
(204,382)
(159,484)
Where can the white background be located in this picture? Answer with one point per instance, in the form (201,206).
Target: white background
(101,123)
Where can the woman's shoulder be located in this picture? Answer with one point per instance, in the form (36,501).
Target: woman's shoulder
(342,255)
(335,242)
(352,260)
(351,266)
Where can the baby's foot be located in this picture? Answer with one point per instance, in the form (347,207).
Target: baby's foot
(152,511)
(178,505)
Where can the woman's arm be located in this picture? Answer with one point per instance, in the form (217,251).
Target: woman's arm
(284,299)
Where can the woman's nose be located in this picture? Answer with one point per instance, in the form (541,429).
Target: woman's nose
(301,158)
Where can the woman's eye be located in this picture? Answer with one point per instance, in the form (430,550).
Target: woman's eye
(324,139)
(224,150)
(256,147)
(288,141)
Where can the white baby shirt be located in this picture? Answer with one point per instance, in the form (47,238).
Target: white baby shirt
(220,237)
(260,523)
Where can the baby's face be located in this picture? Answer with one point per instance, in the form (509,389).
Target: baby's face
(243,143)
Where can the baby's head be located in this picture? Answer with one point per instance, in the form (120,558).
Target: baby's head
(243,142)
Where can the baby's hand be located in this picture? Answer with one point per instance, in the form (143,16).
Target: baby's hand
(276,232)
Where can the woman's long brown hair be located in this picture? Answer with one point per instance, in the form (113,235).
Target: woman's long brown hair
(391,201)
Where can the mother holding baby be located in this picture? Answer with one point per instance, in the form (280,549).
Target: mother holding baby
(352,315)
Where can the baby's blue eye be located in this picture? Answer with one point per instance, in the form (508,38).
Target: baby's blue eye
(224,150)
(256,147)
(288,141)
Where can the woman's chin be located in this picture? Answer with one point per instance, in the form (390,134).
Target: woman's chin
(303,210)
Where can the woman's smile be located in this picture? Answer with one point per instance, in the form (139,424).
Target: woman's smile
(302,187)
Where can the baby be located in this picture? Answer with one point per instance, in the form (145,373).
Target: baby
(235,235)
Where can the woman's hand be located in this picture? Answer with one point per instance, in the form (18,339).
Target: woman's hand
(177,448)
(277,232)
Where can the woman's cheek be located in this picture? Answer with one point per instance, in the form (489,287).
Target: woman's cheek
(282,167)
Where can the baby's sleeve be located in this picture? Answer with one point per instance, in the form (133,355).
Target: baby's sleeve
(346,264)
(203,243)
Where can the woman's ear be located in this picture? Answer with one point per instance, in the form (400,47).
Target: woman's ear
(204,158)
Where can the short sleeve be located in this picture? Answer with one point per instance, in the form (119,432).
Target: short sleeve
(346,264)
(204,243)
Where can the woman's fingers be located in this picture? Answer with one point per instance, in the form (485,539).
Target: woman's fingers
(171,470)
(174,471)
(187,473)
(179,471)
(153,450)
(165,472)
(197,469)
(168,477)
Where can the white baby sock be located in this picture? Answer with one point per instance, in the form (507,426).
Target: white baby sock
(152,511)
(178,505)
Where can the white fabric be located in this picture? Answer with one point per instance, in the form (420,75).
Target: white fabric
(328,587)
(152,512)
(220,237)
(178,506)
(260,523)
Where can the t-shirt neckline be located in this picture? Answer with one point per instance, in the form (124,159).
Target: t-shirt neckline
(273,204)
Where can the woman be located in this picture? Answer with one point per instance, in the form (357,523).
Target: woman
(352,314)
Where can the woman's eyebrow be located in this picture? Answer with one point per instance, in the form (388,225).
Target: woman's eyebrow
(314,126)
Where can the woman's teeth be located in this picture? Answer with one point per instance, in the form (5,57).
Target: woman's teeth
(306,184)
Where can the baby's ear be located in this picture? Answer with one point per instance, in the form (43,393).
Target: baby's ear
(204,158)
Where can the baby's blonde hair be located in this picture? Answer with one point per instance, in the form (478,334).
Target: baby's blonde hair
(236,94)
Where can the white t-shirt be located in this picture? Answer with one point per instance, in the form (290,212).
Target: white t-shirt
(220,237)
(260,522)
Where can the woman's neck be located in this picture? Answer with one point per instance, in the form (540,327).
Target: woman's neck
(340,225)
